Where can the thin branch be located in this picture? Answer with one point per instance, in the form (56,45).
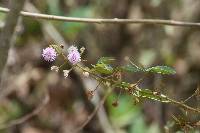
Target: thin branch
(105,21)
(171,101)
(28,116)
(89,118)
(194,94)
(184,106)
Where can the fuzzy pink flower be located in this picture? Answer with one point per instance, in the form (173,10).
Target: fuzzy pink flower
(49,54)
(73,55)
(72,49)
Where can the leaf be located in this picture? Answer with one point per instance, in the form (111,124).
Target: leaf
(123,85)
(102,68)
(161,70)
(131,68)
(106,60)
(146,93)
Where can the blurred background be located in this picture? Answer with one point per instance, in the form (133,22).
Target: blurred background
(28,75)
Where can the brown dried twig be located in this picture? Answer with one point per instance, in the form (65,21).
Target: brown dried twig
(105,21)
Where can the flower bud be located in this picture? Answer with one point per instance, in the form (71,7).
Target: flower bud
(86,74)
(82,50)
(108,83)
(66,73)
(55,68)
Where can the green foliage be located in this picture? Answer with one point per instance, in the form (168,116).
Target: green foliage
(156,69)
(106,60)
(131,68)
(161,70)
(123,85)
(102,68)
(146,93)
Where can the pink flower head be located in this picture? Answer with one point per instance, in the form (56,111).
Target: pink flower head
(49,54)
(72,49)
(73,55)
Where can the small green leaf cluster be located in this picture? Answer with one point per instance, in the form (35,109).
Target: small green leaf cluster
(155,69)
(104,66)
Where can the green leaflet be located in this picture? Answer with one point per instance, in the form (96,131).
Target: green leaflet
(103,64)
(102,68)
(123,85)
(146,93)
(106,60)
(161,70)
(157,69)
(131,68)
